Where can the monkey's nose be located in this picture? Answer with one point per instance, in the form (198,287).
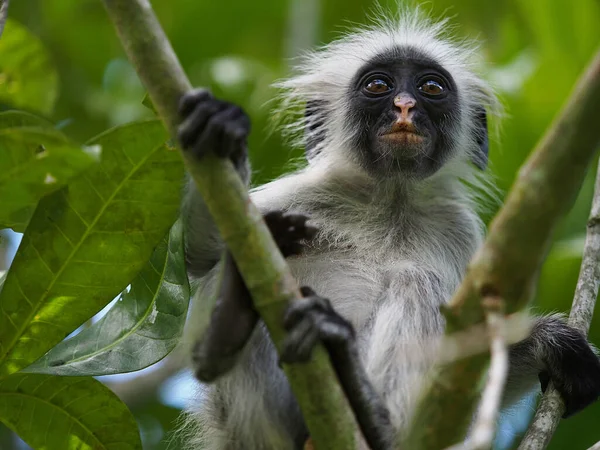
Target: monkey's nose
(405,102)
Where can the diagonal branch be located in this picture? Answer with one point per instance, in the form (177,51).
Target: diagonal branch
(508,263)
(551,407)
(265,272)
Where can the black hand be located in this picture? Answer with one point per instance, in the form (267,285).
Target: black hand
(575,372)
(289,231)
(213,125)
(313,320)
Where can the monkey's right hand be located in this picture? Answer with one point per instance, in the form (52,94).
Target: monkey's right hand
(290,231)
(212,125)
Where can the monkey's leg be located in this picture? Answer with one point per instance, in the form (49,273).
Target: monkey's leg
(234,317)
(560,353)
(314,320)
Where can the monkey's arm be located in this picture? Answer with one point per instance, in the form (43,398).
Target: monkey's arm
(234,317)
(209,125)
(555,352)
(313,320)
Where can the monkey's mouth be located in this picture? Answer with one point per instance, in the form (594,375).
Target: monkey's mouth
(404,133)
(404,137)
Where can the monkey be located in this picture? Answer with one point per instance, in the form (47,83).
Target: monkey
(396,137)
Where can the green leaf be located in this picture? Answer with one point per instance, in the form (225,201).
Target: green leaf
(63,413)
(28,78)
(35,160)
(147,102)
(140,329)
(87,241)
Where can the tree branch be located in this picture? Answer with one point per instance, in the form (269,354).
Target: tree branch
(263,268)
(508,263)
(551,407)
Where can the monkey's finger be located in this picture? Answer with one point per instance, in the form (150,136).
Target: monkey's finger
(295,313)
(300,342)
(195,124)
(303,350)
(272,218)
(190,99)
(299,233)
(307,291)
(236,134)
(213,133)
(299,309)
(295,219)
(335,330)
(290,248)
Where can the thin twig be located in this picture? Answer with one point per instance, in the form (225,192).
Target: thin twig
(3,14)
(551,407)
(596,446)
(484,427)
(474,340)
(485,423)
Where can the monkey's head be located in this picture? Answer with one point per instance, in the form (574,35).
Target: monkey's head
(399,98)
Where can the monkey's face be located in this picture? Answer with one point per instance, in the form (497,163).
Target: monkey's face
(404,112)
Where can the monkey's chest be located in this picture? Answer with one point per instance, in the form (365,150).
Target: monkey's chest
(351,283)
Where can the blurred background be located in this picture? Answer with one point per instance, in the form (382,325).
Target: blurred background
(535,50)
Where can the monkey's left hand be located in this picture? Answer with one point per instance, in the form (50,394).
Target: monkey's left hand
(313,320)
(310,321)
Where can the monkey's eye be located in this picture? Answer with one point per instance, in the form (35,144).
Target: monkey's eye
(432,88)
(377,86)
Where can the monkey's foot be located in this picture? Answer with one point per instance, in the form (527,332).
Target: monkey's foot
(290,231)
(309,321)
(575,373)
(212,125)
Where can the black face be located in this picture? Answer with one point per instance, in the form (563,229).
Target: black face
(403,106)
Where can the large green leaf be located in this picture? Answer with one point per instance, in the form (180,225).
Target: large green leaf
(87,241)
(35,159)
(28,76)
(64,413)
(140,329)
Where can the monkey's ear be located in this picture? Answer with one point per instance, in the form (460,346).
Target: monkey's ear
(480,157)
(314,129)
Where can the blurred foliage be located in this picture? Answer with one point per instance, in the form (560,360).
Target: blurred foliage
(37,160)
(535,50)
(29,79)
